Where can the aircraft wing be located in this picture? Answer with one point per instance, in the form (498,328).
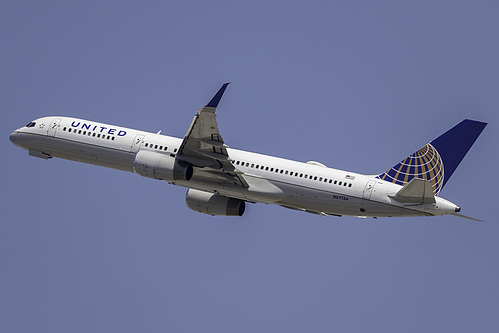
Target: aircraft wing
(204,147)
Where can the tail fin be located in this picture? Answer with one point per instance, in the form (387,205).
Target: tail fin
(437,160)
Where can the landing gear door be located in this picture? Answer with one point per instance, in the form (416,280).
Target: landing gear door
(369,189)
(137,142)
(54,125)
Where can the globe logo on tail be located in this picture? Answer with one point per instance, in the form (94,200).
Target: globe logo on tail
(425,164)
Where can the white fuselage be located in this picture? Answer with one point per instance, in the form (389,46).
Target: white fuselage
(307,187)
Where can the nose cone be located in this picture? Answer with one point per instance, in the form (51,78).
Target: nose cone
(13,137)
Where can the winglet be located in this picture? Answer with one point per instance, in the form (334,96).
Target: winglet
(216,99)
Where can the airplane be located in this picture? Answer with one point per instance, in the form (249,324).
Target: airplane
(220,179)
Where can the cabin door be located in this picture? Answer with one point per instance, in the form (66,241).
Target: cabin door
(53,127)
(369,189)
(137,142)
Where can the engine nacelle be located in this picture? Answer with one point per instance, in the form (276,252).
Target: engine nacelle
(214,204)
(161,166)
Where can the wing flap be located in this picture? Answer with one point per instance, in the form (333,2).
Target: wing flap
(233,178)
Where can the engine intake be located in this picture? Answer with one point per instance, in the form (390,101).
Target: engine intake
(214,204)
(161,166)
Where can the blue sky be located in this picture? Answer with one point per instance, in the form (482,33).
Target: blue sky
(356,85)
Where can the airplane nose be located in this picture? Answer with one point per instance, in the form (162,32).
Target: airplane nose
(13,137)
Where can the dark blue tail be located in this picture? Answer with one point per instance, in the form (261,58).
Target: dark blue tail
(438,160)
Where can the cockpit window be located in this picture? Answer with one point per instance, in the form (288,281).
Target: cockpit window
(31,124)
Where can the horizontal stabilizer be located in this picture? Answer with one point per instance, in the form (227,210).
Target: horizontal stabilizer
(467,217)
(416,191)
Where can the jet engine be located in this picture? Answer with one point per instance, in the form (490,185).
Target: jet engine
(214,204)
(161,166)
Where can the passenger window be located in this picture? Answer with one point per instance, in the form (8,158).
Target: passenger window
(344,184)
(247,164)
(339,183)
(112,138)
(252,165)
(282,171)
(286,172)
(84,132)
(69,130)
(166,148)
(98,135)
(175,150)
(330,181)
(93,134)
(349,185)
(335,182)
(315,178)
(146,144)
(301,175)
(266,168)
(160,147)
(79,132)
(156,147)
(320,179)
(271,169)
